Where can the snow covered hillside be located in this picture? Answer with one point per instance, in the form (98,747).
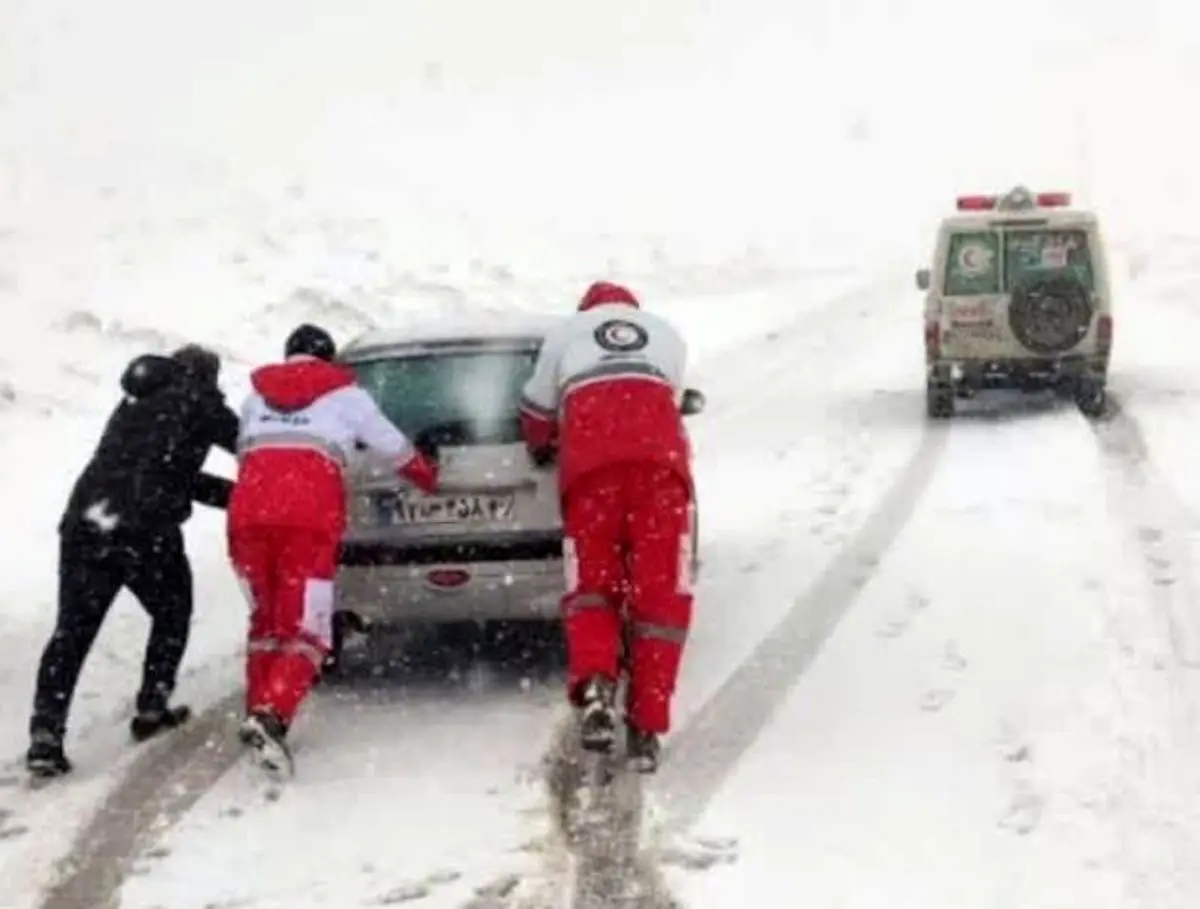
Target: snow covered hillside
(930,667)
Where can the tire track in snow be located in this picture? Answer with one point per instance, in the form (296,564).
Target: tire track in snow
(167,780)
(601,828)
(713,741)
(1157,523)
(156,791)
(610,868)
(1154,517)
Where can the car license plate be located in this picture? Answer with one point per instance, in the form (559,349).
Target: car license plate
(454,509)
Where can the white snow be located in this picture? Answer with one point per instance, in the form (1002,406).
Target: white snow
(995,722)
(1004,718)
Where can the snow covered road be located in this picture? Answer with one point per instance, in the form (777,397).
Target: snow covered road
(996,722)
(834,446)
(816,441)
(820,314)
(997,704)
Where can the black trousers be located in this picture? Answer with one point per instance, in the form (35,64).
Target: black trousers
(92,570)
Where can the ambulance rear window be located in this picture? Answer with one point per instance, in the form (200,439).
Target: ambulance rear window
(1029,254)
(996,261)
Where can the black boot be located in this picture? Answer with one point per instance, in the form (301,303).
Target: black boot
(642,750)
(150,722)
(266,734)
(45,758)
(597,714)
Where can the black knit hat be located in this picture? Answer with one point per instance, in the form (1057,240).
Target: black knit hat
(199,362)
(312,341)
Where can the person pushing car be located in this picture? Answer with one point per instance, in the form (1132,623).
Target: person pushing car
(604,399)
(122,528)
(287,514)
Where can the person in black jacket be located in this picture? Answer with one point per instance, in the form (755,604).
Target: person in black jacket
(122,527)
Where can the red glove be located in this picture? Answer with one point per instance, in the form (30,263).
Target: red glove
(421,471)
(539,431)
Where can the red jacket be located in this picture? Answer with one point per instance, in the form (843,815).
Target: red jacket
(299,426)
(607,390)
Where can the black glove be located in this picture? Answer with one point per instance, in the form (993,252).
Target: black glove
(211,491)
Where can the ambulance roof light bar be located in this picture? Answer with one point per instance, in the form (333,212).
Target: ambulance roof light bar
(976,203)
(1019,198)
(1053,200)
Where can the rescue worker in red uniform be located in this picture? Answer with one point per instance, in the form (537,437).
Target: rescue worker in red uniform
(287,514)
(604,399)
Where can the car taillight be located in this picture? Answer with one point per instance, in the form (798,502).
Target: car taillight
(448,578)
(1104,329)
(932,339)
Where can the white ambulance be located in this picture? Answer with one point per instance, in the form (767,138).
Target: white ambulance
(1017,296)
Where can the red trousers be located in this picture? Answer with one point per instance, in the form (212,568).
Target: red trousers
(287,575)
(627,555)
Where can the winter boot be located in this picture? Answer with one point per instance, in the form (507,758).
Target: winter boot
(45,758)
(642,750)
(597,715)
(149,723)
(266,734)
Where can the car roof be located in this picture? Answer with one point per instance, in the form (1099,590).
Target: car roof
(447,330)
(1059,218)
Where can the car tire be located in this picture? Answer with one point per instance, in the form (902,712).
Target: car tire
(1051,314)
(1091,397)
(939,401)
(331,666)
(344,622)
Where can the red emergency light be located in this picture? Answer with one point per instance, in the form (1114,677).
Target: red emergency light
(989,203)
(1052,200)
(976,203)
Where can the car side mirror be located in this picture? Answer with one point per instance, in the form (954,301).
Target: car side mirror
(923,279)
(693,402)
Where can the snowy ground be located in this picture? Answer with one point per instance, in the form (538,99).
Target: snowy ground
(994,625)
(212,667)
(996,723)
(500,736)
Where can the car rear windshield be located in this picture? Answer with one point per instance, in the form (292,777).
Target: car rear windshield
(468,398)
(996,261)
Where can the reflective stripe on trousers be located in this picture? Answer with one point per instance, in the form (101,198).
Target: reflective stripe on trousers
(586,601)
(299,647)
(670,633)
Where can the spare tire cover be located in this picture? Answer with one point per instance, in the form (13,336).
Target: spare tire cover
(1050,314)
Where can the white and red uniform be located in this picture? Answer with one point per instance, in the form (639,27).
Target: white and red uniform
(606,392)
(287,514)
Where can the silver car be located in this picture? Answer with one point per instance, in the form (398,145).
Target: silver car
(487,547)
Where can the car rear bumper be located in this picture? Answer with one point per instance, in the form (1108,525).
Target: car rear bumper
(514,578)
(1002,372)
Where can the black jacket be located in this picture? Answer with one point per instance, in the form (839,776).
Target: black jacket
(147,469)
